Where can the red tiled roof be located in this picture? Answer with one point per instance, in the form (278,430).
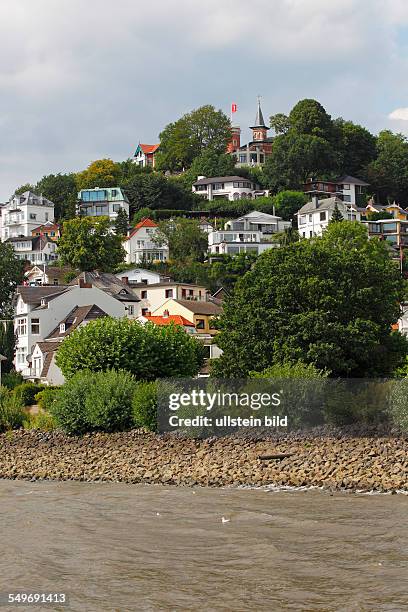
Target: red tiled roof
(142,223)
(146,148)
(176,319)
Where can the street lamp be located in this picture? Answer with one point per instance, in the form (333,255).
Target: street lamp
(2,358)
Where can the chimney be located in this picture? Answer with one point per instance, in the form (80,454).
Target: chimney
(125,279)
(84,285)
(315,201)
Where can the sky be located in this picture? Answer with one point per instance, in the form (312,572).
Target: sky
(85,79)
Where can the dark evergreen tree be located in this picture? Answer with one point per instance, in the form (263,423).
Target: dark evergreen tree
(7,344)
(336,216)
(122,223)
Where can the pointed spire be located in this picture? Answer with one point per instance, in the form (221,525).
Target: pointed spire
(259,120)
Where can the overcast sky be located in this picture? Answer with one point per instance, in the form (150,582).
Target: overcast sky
(85,79)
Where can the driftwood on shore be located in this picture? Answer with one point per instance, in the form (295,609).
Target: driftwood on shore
(278,456)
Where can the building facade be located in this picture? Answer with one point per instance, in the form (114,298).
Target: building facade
(38,251)
(23,214)
(100,202)
(314,217)
(140,245)
(346,188)
(227,188)
(145,155)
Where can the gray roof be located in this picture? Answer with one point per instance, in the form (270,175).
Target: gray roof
(325,204)
(259,120)
(109,283)
(221,179)
(352,180)
(34,295)
(197,307)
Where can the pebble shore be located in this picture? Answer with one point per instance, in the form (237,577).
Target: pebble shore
(370,463)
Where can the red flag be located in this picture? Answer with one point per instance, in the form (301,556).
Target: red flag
(234,108)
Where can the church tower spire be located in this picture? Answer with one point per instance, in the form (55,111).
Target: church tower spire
(259,129)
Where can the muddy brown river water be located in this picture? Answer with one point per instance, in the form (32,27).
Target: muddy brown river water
(133,547)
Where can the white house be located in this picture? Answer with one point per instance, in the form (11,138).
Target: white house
(23,213)
(251,233)
(105,201)
(347,188)
(140,246)
(145,155)
(47,275)
(314,216)
(39,250)
(137,276)
(226,187)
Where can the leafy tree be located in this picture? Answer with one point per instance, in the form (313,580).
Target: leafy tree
(62,190)
(295,158)
(154,191)
(279,123)
(210,163)
(7,344)
(287,203)
(388,174)
(87,243)
(228,269)
(143,213)
(377,216)
(355,147)
(24,188)
(185,238)
(122,223)
(288,236)
(185,139)
(146,351)
(328,301)
(336,216)
(100,173)
(309,117)
(11,274)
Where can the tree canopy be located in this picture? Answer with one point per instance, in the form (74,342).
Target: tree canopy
(88,243)
(62,190)
(185,238)
(185,139)
(100,173)
(329,301)
(388,173)
(11,275)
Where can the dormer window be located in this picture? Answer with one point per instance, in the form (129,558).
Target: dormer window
(43,302)
(62,328)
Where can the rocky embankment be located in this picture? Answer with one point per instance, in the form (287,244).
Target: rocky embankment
(375,462)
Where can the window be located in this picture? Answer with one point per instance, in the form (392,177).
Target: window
(114,193)
(35,326)
(21,327)
(144,311)
(201,187)
(310,218)
(46,216)
(302,219)
(217,186)
(323,216)
(130,310)
(20,356)
(55,281)
(346,187)
(33,216)
(62,328)
(143,294)
(346,198)
(116,207)
(200,324)
(169,293)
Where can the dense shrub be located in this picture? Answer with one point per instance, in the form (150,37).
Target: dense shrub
(147,351)
(12,413)
(145,405)
(41,420)
(296,369)
(100,401)
(11,379)
(26,392)
(47,397)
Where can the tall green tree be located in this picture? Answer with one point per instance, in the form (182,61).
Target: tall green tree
(185,139)
(388,173)
(210,163)
(310,117)
(185,238)
(122,223)
(62,190)
(11,275)
(355,147)
(155,191)
(328,301)
(7,344)
(88,243)
(287,203)
(336,216)
(24,188)
(279,123)
(100,173)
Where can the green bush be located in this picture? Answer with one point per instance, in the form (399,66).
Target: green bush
(296,369)
(26,392)
(12,412)
(100,401)
(147,351)
(47,397)
(41,420)
(11,379)
(145,405)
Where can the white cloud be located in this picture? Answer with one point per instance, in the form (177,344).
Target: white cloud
(399,114)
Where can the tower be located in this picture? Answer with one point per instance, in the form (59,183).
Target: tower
(259,129)
(235,141)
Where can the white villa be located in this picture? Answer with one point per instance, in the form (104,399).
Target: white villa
(39,250)
(314,216)
(23,214)
(251,233)
(226,187)
(140,246)
(98,202)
